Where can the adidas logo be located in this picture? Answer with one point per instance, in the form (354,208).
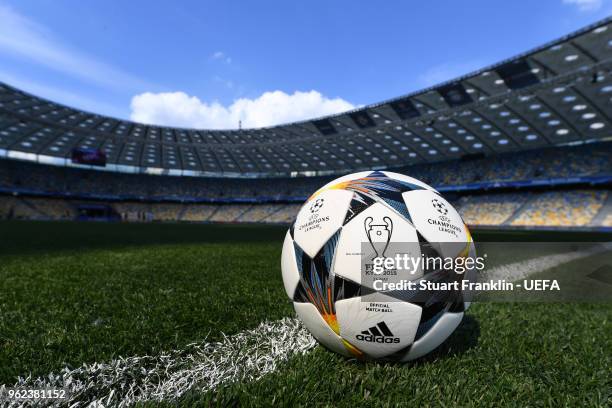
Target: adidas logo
(378,334)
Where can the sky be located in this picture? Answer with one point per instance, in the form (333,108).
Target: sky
(212,64)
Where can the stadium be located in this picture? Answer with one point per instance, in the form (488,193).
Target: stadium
(122,242)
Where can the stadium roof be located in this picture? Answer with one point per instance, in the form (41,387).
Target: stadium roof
(556,94)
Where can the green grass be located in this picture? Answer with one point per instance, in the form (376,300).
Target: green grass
(68,306)
(502,355)
(72,293)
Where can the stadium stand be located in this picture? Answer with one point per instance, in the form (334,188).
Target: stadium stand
(525,142)
(36,191)
(229,212)
(166,212)
(259,213)
(7,205)
(129,211)
(285,215)
(490,209)
(574,208)
(52,208)
(199,212)
(592,161)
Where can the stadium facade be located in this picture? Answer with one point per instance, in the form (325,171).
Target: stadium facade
(524,142)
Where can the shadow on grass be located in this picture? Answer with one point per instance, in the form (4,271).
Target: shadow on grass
(464,338)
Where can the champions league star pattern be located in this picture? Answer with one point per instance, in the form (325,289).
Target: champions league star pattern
(316,280)
(320,286)
(375,187)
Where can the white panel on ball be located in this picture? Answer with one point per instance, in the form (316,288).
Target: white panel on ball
(320,218)
(378,328)
(291,275)
(436,335)
(347,262)
(437,220)
(313,321)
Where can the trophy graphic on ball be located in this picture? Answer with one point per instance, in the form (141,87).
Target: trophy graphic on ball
(379,235)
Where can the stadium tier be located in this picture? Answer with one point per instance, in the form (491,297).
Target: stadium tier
(571,208)
(584,164)
(556,94)
(526,142)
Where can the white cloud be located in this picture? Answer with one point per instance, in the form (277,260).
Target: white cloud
(447,71)
(22,37)
(271,108)
(221,56)
(585,5)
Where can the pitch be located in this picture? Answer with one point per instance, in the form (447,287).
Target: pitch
(76,294)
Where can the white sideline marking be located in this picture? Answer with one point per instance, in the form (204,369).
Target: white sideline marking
(246,356)
(519,270)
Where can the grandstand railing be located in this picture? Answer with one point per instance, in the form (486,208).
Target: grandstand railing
(481,186)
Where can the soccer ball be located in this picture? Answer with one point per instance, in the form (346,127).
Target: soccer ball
(346,228)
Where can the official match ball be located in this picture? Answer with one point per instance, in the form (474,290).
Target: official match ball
(343,233)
